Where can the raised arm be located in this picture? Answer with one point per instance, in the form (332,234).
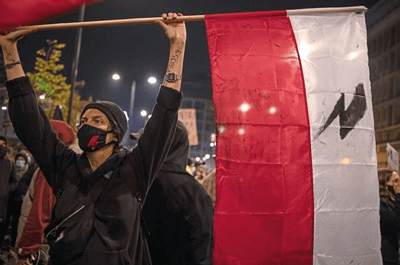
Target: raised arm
(176,33)
(154,144)
(12,63)
(29,120)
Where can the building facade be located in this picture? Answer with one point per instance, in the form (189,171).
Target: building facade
(383,23)
(198,96)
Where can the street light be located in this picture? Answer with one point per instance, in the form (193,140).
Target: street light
(143,113)
(152,80)
(116,77)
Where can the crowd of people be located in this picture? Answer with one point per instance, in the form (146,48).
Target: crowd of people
(109,205)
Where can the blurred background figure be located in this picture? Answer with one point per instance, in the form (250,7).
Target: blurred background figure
(6,177)
(22,177)
(37,205)
(389,193)
(178,211)
(200,173)
(209,185)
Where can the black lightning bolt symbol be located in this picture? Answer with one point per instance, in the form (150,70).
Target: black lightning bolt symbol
(350,117)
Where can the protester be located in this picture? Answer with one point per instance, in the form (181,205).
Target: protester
(36,208)
(23,175)
(201,169)
(178,211)
(209,185)
(21,165)
(99,193)
(389,192)
(6,178)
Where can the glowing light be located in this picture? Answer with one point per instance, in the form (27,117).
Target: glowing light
(116,77)
(352,56)
(241,131)
(197,158)
(4,108)
(143,113)
(212,144)
(221,129)
(42,96)
(244,107)
(207,156)
(272,110)
(346,161)
(152,80)
(304,50)
(149,116)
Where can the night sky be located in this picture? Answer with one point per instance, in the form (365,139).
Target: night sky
(137,52)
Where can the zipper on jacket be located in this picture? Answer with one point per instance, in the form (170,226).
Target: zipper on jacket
(63,221)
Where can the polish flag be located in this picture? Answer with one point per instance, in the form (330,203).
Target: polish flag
(296,179)
(14,13)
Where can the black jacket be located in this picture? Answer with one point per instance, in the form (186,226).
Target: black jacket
(390,229)
(178,212)
(117,237)
(6,180)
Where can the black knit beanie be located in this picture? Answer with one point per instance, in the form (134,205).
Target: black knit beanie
(114,114)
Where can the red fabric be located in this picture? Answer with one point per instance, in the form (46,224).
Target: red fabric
(264,185)
(23,12)
(64,131)
(39,216)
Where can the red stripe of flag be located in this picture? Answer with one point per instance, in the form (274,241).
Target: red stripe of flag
(264,185)
(15,13)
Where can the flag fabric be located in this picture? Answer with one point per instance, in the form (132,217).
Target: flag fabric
(296,172)
(24,12)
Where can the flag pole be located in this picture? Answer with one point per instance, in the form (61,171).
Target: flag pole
(151,20)
(114,22)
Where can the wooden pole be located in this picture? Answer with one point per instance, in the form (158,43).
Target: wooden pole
(151,20)
(114,22)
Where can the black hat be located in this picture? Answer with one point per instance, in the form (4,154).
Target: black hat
(114,114)
(4,139)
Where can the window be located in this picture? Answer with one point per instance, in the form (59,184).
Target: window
(392,59)
(390,116)
(391,89)
(392,36)
(199,105)
(186,104)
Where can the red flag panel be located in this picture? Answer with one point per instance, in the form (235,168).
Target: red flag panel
(264,185)
(24,12)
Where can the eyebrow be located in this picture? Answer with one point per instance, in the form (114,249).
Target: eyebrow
(94,117)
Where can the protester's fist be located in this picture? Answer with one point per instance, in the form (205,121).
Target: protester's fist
(11,37)
(175,31)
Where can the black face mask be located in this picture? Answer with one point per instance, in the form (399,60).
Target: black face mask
(390,189)
(3,151)
(92,138)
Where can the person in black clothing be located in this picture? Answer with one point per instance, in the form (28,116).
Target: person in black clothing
(115,237)
(178,211)
(6,178)
(389,192)
(15,201)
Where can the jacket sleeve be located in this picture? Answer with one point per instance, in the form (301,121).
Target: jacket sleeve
(35,132)
(148,156)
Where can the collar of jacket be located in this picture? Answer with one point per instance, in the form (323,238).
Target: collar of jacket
(89,177)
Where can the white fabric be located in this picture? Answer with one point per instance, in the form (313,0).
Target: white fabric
(333,53)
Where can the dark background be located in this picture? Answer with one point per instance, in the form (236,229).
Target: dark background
(138,51)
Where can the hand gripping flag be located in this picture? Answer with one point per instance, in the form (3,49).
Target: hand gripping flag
(23,12)
(296,166)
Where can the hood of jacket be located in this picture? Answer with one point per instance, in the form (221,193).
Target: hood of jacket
(176,159)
